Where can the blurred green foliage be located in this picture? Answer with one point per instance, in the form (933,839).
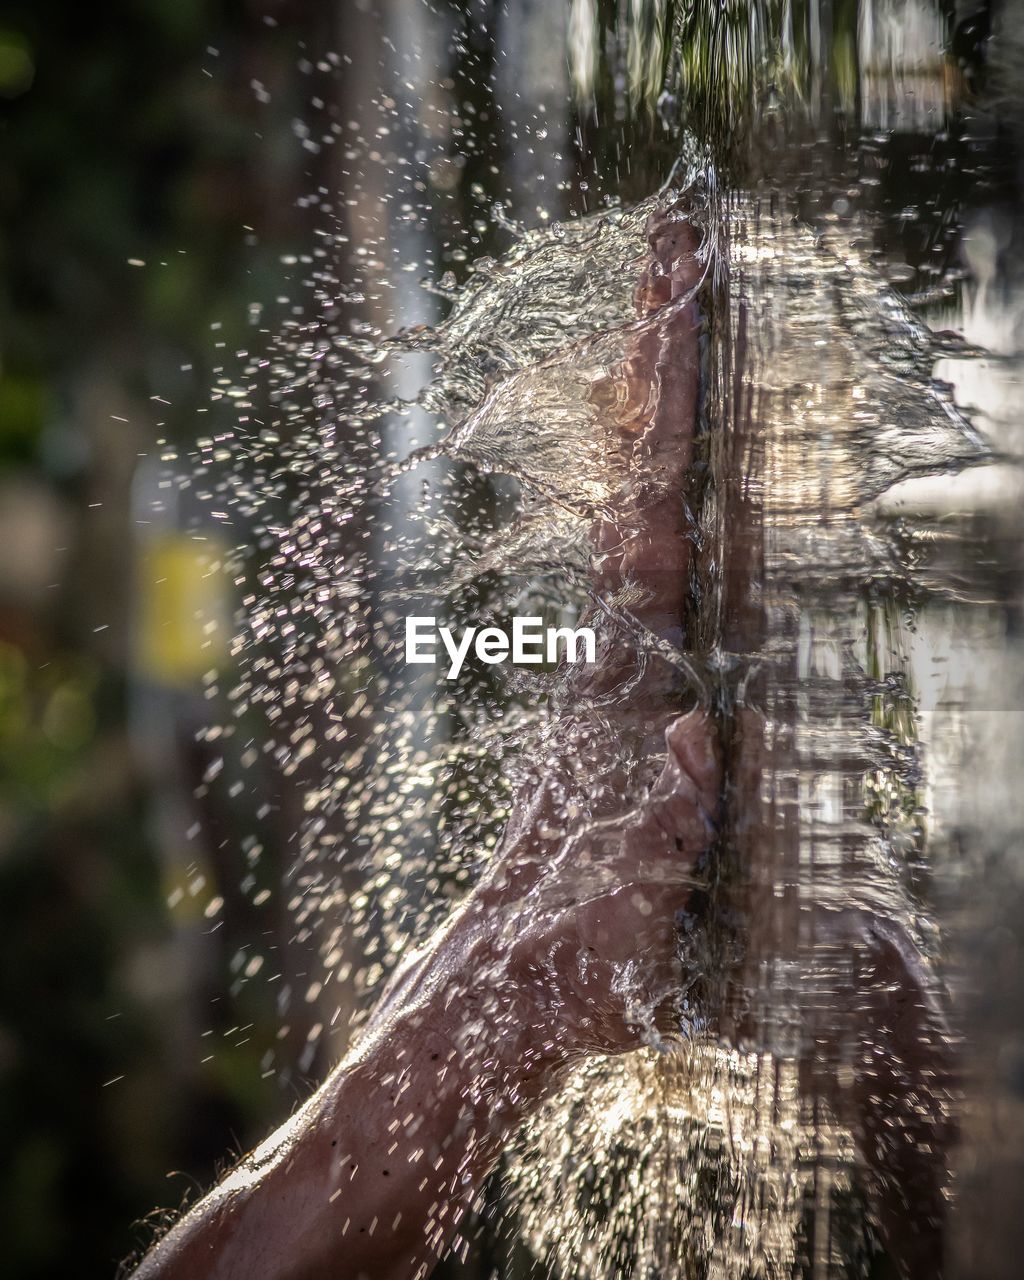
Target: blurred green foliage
(47,718)
(116,144)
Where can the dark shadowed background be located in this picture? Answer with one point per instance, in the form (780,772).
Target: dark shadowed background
(143,208)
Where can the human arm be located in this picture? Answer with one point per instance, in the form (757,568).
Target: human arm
(372,1176)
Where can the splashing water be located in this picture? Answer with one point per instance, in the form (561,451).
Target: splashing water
(455,469)
(705,1161)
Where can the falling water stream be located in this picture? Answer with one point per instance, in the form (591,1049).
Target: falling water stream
(854,625)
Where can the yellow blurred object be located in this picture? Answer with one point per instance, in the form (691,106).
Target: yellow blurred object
(183,612)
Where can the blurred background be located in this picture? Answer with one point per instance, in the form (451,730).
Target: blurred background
(143,208)
(156,171)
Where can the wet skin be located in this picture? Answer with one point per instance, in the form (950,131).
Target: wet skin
(568,944)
